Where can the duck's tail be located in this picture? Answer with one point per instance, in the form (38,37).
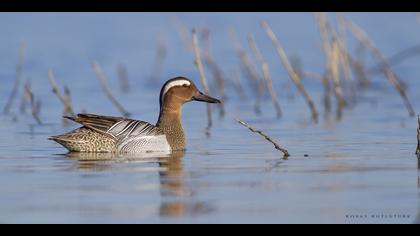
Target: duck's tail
(85,140)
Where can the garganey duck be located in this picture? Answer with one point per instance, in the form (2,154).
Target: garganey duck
(123,135)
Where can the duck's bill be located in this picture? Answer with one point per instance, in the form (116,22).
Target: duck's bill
(201,97)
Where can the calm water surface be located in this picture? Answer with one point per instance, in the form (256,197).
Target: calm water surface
(360,166)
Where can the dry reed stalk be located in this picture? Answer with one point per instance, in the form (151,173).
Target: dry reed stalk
(199,65)
(346,57)
(363,38)
(327,93)
(68,109)
(418,138)
(344,63)
(215,70)
(107,90)
(19,66)
(161,52)
(25,101)
(246,64)
(218,76)
(35,105)
(293,76)
(342,28)
(359,70)
(296,63)
(123,78)
(343,59)
(276,145)
(335,75)
(322,27)
(67,112)
(332,54)
(266,74)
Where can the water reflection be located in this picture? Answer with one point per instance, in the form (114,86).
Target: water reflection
(178,197)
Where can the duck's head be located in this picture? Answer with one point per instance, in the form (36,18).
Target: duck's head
(177,91)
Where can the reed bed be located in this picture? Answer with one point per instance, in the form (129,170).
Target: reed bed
(292,74)
(344,74)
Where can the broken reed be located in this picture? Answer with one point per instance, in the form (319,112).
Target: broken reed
(19,66)
(292,74)
(65,100)
(276,145)
(266,78)
(199,65)
(107,90)
(35,104)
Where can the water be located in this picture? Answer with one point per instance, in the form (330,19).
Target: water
(362,166)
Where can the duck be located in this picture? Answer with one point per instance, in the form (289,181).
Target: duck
(109,134)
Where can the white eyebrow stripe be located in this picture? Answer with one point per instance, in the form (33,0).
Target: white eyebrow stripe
(172,84)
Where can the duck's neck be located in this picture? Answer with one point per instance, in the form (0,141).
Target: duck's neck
(170,122)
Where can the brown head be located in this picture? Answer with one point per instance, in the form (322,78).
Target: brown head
(180,90)
(174,94)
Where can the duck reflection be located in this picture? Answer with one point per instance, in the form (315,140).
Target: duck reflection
(178,198)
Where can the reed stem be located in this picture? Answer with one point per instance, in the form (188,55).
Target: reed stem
(35,105)
(68,109)
(376,53)
(292,74)
(199,65)
(107,90)
(266,74)
(123,78)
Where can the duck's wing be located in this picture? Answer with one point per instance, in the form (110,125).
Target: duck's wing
(119,128)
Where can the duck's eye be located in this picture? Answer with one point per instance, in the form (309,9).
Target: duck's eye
(184,85)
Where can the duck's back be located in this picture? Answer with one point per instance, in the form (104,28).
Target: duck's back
(113,134)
